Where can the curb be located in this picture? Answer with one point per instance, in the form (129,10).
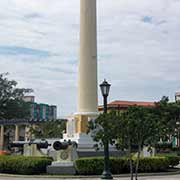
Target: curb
(88,177)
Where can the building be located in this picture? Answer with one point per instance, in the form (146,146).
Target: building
(29,98)
(177,96)
(40,111)
(123,105)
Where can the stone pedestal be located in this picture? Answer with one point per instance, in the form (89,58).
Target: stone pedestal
(32,150)
(64,161)
(83,140)
(77,130)
(65,168)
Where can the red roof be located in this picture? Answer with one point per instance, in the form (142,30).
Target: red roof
(131,103)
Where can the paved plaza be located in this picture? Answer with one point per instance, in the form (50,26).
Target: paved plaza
(171,177)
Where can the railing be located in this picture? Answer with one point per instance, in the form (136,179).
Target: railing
(22,121)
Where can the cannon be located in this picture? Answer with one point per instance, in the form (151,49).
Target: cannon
(41,144)
(32,147)
(64,150)
(57,145)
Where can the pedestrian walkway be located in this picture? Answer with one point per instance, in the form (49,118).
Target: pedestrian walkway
(171,177)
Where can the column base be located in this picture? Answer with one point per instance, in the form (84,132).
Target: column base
(77,127)
(83,140)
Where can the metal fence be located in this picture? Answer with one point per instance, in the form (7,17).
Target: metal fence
(21,121)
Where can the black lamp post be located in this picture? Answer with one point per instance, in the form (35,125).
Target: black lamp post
(105,87)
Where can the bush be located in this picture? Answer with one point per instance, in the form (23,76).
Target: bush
(24,165)
(173,160)
(94,166)
(89,166)
(153,164)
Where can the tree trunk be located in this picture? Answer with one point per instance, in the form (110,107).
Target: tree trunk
(131,168)
(130,159)
(137,161)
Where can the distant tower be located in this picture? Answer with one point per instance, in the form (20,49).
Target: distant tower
(177,96)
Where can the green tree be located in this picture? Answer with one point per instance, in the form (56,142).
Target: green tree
(103,128)
(49,129)
(169,116)
(102,131)
(12,105)
(132,128)
(138,126)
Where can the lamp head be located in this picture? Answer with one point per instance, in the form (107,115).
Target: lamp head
(105,88)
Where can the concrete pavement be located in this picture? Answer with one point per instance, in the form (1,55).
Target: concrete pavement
(167,177)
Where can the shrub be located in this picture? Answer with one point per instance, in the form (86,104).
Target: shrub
(173,160)
(94,166)
(153,164)
(89,166)
(24,165)
(119,165)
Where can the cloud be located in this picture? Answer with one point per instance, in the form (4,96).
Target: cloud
(33,16)
(61,70)
(138,48)
(15,50)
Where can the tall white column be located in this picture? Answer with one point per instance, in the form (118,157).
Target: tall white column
(87,77)
(87,82)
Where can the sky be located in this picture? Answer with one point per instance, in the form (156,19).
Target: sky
(138,48)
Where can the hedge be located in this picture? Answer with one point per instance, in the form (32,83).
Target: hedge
(84,166)
(173,160)
(94,166)
(24,165)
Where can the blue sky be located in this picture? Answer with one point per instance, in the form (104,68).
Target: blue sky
(138,48)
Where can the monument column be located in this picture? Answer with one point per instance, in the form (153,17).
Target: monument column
(87,76)
(87,82)
(2,137)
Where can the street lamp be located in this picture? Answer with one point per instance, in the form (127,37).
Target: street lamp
(105,87)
